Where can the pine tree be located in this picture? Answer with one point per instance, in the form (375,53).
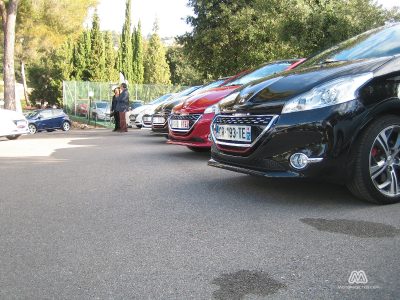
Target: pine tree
(138,63)
(110,58)
(97,57)
(156,69)
(125,55)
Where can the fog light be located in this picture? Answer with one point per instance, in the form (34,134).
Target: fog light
(299,161)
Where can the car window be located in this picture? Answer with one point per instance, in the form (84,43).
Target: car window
(371,44)
(45,114)
(260,73)
(160,99)
(209,86)
(57,112)
(101,104)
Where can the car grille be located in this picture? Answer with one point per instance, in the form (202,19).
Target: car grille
(159,120)
(258,123)
(246,120)
(192,118)
(147,119)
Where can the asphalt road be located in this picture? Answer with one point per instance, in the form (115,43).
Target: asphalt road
(95,214)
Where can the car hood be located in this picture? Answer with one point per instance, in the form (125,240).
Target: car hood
(139,109)
(198,103)
(170,104)
(270,95)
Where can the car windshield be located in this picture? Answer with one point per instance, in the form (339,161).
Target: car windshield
(32,114)
(371,44)
(160,99)
(209,86)
(102,104)
(260,73)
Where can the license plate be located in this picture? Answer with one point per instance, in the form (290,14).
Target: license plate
(147,119)
(21,124)
(158,120)
(233,133)
(180,124)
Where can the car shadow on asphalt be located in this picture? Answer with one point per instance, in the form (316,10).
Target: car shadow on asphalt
(284,191)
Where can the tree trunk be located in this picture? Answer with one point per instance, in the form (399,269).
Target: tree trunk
(9,16)
(24,83)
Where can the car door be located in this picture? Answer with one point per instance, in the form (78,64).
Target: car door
(45,119)
(58,117)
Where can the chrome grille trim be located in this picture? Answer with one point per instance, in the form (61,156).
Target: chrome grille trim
(273,118)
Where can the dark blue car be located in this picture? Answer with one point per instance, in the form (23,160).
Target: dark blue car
(48,119)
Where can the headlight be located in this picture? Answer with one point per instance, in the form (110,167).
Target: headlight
(331,93)
(213,109)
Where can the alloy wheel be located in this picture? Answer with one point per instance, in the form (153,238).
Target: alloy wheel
(66,126)
(32,129)
(384,161)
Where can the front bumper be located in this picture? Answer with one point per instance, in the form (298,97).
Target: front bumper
(159,123)
(324,134)
(197,136)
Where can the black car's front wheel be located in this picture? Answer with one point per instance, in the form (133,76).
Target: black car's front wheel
(376,162)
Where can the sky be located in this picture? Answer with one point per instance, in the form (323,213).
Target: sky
(171,15)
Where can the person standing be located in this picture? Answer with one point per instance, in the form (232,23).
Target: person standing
(113,107)
(122,107)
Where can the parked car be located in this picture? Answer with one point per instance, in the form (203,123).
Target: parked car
(189,124)
(12,124)
(132,107)
(336,118)
(159,121)
(133,116)
(100,110)
(147,115)
(82,109)
(48,119)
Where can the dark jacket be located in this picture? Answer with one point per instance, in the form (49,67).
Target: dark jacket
(113,103)
(122,101)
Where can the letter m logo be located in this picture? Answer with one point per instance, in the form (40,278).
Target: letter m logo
(358,277)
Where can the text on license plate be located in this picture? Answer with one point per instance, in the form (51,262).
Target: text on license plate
(158,120)
(180,124)
(147,119)
(233,133)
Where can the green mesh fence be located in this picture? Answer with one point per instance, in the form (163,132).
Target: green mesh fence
(80,97)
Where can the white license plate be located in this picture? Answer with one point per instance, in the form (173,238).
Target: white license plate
(180,124)
(233,133)
(147,119)
(21,124)
(158,120)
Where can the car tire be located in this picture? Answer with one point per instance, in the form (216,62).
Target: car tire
(66,126)
(375,173)
(13,137)
(32,128)
(138,126)
(199,149)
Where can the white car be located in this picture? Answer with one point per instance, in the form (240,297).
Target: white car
(135,116)
(12,124)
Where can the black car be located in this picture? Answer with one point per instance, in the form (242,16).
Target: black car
(336,118)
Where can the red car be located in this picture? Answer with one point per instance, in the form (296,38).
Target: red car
(189,124)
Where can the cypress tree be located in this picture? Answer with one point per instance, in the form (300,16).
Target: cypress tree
(97,57)
(138,63)
(110,58)
(81,57)
(126,54)
(156,69)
